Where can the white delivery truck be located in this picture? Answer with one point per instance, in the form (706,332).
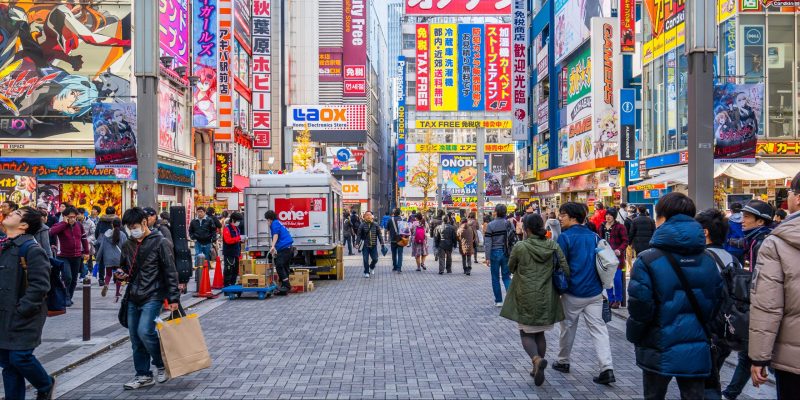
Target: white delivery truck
(310,206)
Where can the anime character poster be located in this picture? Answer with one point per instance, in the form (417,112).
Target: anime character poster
(114,134)
(205,36)
(460,174)
(171,127)
(93,194)
(738,110)
(50,196)
(20,189)
(56,60)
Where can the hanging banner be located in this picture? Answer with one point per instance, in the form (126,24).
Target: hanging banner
(20,189)
(224,131)
(443,63)
(354,56)
(401,123)
(627,120)
(423,68)
(470,68)
(462,124)
(173,31)
(171,111)
(627,25)
(575,138)
(519,131)
(573,23)
(606,84)
(205,28)
(458,7)
(262,74)
(738,111)
(499,182)
(330,64)
(114,134)
(498,67)
(223,176)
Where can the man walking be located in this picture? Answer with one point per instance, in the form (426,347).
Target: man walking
(202,230)
(72,247)
(105,223)
(232,248)
(472,221)
(584,296)
(347,233)
(445,240)
(497,252)
(281,250)
(25,276)
(369,234)
(148,266)
(642,229)
(88,229)
(395,236)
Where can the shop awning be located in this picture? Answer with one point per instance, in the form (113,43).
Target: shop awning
(790,168)
(760,171)
(675,176)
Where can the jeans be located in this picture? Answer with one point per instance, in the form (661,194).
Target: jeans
(655,386)
(499,265)
(591,308)
(787,384)
(397,257)
(144,338)
(445,260)
(19,365)
(101,272)
(348,240)
(713,388)
(231,271)
(204,249)
(615,293)
(368,252)
(72,272)
(741,375)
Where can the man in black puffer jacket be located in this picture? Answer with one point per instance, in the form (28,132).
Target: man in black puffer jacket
(642,229)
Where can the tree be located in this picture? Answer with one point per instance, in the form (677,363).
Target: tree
(423,175)
(303,157)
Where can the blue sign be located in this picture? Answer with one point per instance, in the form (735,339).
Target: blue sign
(627,119)
(753,35)
(67,169)
(634,172)
(400,123)
(175,176)
(470,67)
(343,155)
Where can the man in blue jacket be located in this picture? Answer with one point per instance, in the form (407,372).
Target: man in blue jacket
(585,294)
(669,336)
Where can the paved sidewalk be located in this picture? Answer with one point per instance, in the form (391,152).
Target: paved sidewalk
(412,335)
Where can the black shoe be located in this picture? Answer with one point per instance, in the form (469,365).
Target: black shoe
(468,273)
(606,377)
(48,395)
(563,368)
(441,272)
(449,272)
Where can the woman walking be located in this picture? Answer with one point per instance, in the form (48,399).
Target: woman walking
(109,252)
(466,238)
(617,236)
(532,300)
(419,244)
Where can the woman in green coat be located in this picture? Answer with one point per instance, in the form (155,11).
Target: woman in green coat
(532,299)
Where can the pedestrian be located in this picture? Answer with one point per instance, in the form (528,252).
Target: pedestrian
(775,304)
(419,243)
(444,239)
(497,252)
(369,233)
(73,247)
(6,208)
(355,221)
(163,221)
(147,264)
(384,221)
(109,254)
(599,216)
(347,233)
(472,220)
(88,227)
(215,219)
(155,224)
(43,235)
(674,289)
(642,229)
(398,236)
(532,300)
(584,296)
(780,215)
(735,232)
(202,230)
(94,214)
(104,224)
(553,226)
(616,236)
(435,222)
(25,276)
(232,248)
(281,250)
(466,238)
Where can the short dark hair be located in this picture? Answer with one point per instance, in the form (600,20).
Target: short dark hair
(396,212)
(270,215)
(675,203)
(501,210)
(133,216)
(201,208)
(81,210)
(33,218)
(623,205)
(150,211)
(642,209)
(211,210)
(534,224)
(716,223)
(236,216)
(795,184)
(111,211)
(781,213)
(97,208)
(736,207)
(612,212)
(599,205)
(69,210)
(164,215)
(13,206)
(574,210)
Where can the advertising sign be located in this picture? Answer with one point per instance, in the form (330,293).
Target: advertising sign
(519,78)
(443,66)
(470,68)
(423,68)
(738,111)
(66,169)
(579,76)
(502,175)
(91,194)
(223,171)
(460,173)
(205,34)
(498,67)
(542,157)
(461,124)
(171,127)
(330,64)
(262,74)
(667,19)
(354,56)
(224,131)
(627,117)
(725,10)
(462,148)
(421,169)
(173,30)
(458,7)
(348,117)
(606,84)
(298,213)
(355,190)
(175,176)
(541,64)
(627,25)
(20,189)
(573,23)
(115,134)
(345,158)
(543,116)
(401,122)
(782,148)
(577,139)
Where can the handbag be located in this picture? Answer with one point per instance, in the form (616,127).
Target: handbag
(560,282)
(606,263)
(606,310)
(183,345)
(122,315)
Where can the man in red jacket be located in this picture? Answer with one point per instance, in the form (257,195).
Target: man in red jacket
(72,246)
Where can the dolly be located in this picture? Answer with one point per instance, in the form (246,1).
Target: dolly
(236,291)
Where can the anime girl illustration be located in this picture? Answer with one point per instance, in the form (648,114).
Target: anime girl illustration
(205,112)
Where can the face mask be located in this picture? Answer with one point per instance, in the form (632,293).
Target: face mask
(137,233)
(109,233)
(237,223)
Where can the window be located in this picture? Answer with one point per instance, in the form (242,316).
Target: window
(411,65)
(409,41)
(412,89)
(671,101)
(779,63)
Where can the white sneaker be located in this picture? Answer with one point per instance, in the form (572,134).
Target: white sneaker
(162,376)
(372,272)
(498,304)
(366,275)
(139,382)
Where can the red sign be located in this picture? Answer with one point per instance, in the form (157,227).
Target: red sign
(293,213)
(354,56)
(498,67)
(423,77)
(458,7)
(627,25)
(330,64)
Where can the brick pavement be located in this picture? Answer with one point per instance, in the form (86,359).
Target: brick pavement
(413,335)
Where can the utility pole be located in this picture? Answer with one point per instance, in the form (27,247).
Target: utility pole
(481,190)
(146,70)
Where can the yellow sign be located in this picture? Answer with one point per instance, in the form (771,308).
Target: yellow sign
(454,124)
(464,148)
(669,18)
(444,93)
(725,10)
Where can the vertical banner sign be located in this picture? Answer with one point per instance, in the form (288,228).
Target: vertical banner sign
(223,170)
(498,67)
(627,25)
(627,121)
(606,84)
(173,30)
(354,56)
(262,74)
(423,68)
(470,67)
(401,123)
(114,134)
(330,64)
(519,87)
(205,27)
(738,113)
(224,132)
(443,60)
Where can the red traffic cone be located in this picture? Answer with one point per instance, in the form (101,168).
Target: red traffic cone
(218,281)
(205,284)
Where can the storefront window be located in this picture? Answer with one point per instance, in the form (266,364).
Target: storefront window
(683,106)
(647,112)
(779,61)
(659,109)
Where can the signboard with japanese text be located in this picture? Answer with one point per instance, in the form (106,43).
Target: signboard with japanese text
(725,10)
(606,84)
(458,7)
(461,124)
(470,68)
(667,19)
(573,23)
(115,134)
(205,37)
(460,173)
(460,148)
(223,170)
(542,157)
(347,117)
(262,74)
(330,64)
(173,31)
(543,116)
(627,25)
(541,64)
(778,149)
(401,122)
(175,176)
(224,131)
(354,56)
(519,87)
(577,141)
(21,189)
(498,67)
(444,87)
(423,67)
(67,169)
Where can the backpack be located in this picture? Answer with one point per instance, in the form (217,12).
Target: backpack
(511,239)
(57,296)
(447,233)
(731,324)
(419,235)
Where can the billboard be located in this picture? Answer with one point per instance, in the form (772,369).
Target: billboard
(421,169)
(67,169)
(573,23)
(470,67)
(519,72)
(173,30)
(499,181)
(423,68)
(355,190)
(401,122)
(224,131)
(443,66)
(498,67)
(20,189)
(462,124)
(171,110)
(261,84)
(606,84)
(738,111)
(458,7)
(330,64)
(667,19)
(627,25)
(460,173)
(115,134)
(205,30)
(89,195)
(223,170)
(50,77)
(575,138)
(354,56)
(348,117)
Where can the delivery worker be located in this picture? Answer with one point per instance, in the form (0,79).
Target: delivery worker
(232,247)
(281,250)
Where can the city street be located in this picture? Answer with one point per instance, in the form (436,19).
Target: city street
(414,335)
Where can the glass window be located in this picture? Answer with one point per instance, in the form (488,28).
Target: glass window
(409,41)
(671,101)
(411,65)
(412,89)
(659,109)
(683,106)
(780,60)
(647,112)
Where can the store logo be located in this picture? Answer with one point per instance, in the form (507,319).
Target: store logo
(753,36)
(627,107)
(608,64)
(293,213)
(351,188)
(320,114)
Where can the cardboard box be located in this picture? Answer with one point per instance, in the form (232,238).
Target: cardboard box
(310,286)
(251,280)
(246,266)
(339,253)
(299,279)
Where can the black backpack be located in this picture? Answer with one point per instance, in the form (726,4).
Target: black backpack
(511,238)
(731,324)
(57,296)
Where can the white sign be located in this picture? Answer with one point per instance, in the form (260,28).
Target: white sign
(355,190)
(349,117)
(606,84)
(519,71)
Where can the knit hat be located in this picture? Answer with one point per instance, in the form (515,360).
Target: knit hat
(149,211)
(760,209)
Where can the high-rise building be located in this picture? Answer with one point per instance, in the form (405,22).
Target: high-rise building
(395,34)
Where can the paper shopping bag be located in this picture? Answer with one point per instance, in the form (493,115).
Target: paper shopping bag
(183,346)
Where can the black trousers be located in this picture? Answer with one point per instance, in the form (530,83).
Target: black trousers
(231,270)
(74,264)
(282,261)
(655,386)
(788,384)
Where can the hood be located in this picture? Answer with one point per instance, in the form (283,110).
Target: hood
(108,218)
(736,218)
(789,231)
(540,250)
(680,234)
(43,229)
